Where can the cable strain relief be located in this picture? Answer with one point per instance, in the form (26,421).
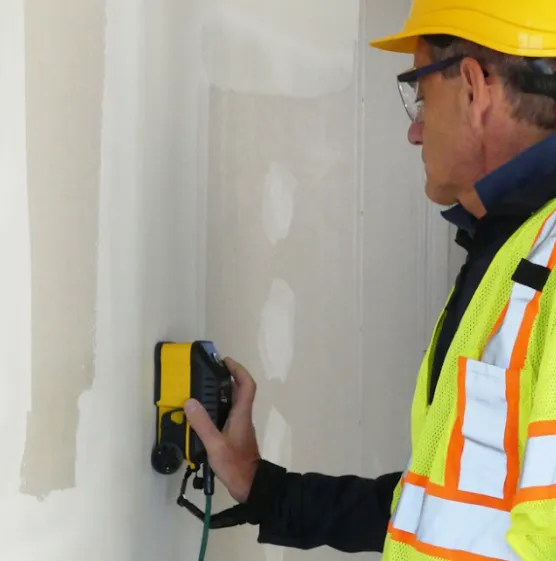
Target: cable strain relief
(208,480)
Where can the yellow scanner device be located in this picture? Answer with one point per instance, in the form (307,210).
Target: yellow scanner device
(183,371)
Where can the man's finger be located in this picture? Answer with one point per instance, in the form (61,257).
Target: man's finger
(202,424)
(245,386)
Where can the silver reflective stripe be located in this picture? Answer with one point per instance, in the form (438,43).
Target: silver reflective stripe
(539,465)
(484,461)
(454,525)
(408,509)
(466,527)
(500,347)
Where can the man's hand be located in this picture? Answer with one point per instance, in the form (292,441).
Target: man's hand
(233,454)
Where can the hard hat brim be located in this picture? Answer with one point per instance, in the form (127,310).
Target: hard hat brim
(400,43)
(483,29)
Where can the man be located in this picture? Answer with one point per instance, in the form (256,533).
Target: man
(481,481)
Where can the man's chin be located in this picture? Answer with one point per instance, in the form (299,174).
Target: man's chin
(439,194)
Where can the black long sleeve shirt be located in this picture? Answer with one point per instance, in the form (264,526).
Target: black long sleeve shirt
(304,511)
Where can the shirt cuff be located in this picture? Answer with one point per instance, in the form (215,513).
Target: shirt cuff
(268,485)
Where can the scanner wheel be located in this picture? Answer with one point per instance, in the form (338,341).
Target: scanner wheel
(166,458)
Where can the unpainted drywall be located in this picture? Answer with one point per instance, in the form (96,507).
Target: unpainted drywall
(282,195)
(279,48)
(175,170)
(324,257)
(63,108)
(98,244)
(15,296)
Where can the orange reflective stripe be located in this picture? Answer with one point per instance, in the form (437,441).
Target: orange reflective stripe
(544,493)
(520,348)
(456,494)
(455,447)
(467,497)
(511,435)
(542,428)
(419,480)
(434,551)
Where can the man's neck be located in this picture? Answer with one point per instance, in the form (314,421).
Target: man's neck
(497,153)
(509,143)
(471,202)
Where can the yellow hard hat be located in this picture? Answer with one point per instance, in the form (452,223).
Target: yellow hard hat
(514,27)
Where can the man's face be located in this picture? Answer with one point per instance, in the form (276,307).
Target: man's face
(451,146)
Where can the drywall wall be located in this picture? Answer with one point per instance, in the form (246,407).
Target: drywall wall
(324,257)
(15,296)
(98,246)
(282,196)
(174,170)
(63,152)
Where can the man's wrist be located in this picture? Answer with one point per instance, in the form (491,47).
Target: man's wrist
(245,481)
(268,484)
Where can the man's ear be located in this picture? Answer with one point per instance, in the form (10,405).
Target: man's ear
(478,94)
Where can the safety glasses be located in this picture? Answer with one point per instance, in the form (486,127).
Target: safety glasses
(408,84)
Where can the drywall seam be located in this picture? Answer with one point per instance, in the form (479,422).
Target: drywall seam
(118,295)
(63,103)
(359,218)
(202,203)
(15,251)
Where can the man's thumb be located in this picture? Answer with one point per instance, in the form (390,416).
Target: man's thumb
(202,424)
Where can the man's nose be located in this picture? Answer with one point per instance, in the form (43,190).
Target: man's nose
(415,134)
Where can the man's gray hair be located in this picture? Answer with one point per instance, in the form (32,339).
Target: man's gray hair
(537,110)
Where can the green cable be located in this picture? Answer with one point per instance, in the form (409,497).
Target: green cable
(206,526)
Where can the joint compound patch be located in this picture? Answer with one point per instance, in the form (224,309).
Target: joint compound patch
(278,199)
(277,331)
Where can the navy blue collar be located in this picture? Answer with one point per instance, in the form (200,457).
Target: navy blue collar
(531,165)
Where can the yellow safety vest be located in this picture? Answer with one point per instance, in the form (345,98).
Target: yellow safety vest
(481,481)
